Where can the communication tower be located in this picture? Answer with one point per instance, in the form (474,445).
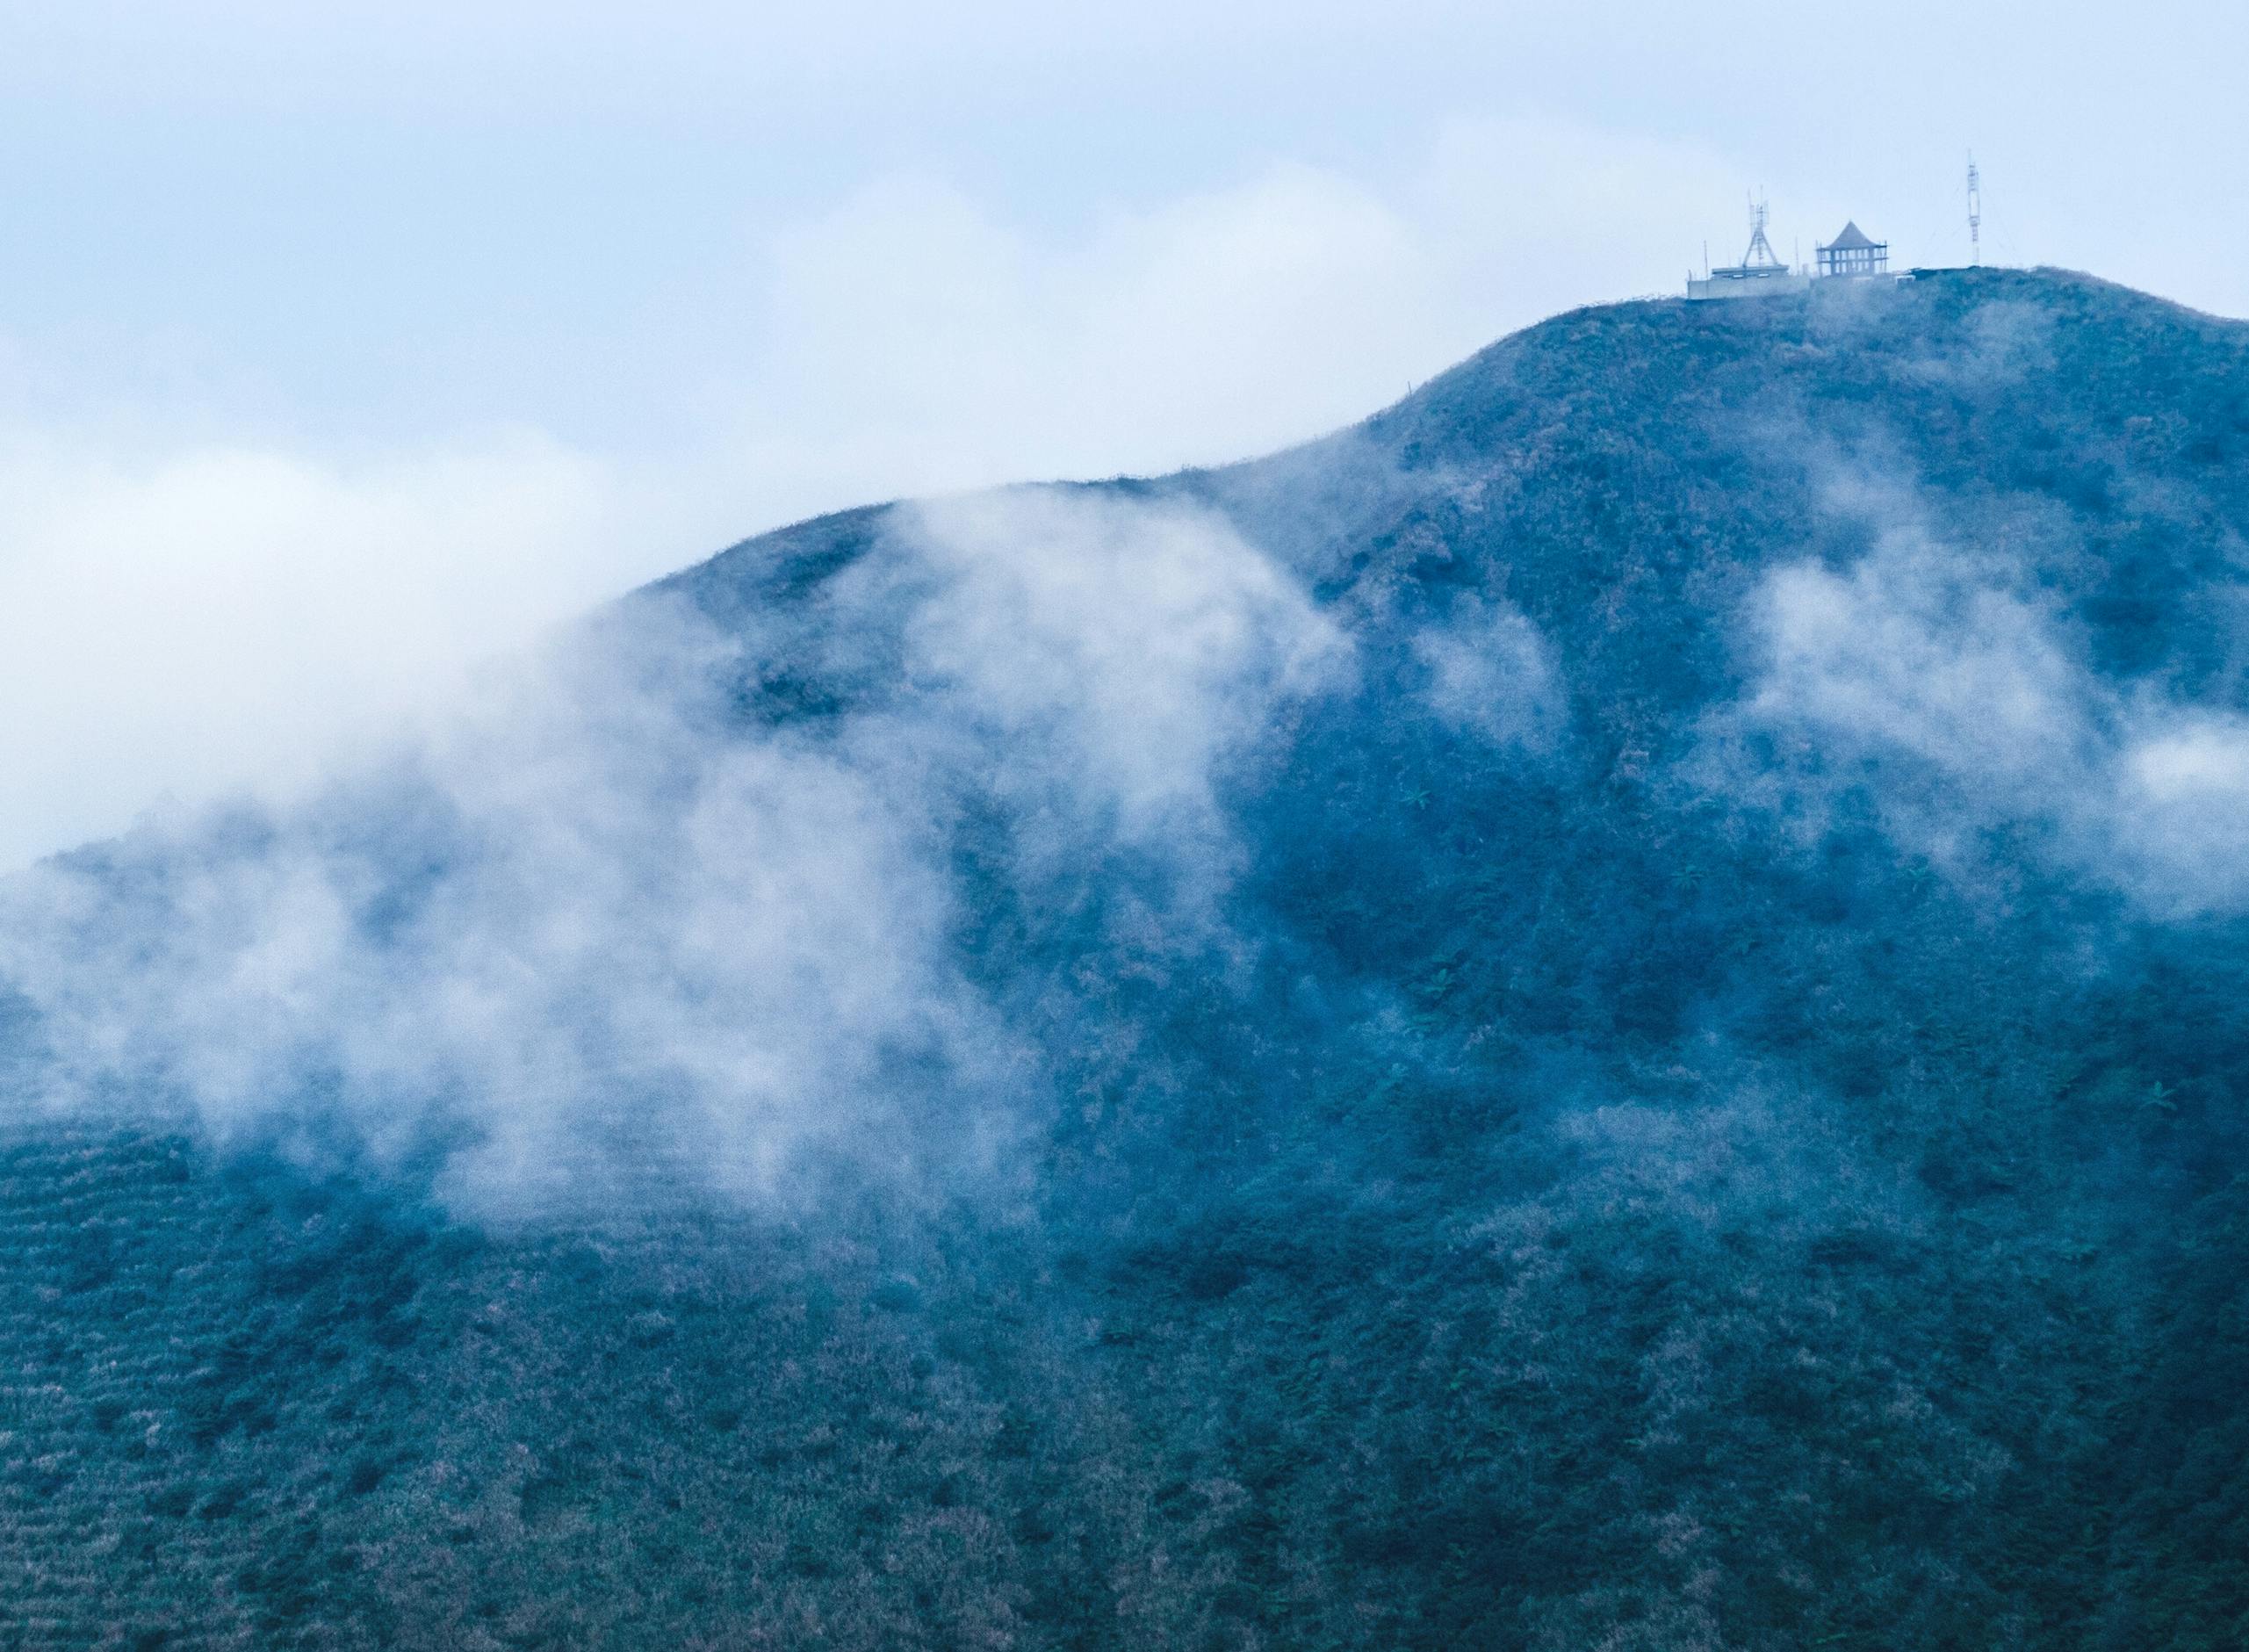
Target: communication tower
(1975,213)
(1761,271)
(1760,255)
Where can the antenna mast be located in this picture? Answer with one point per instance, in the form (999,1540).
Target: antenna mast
(1975,212)
(1760,255)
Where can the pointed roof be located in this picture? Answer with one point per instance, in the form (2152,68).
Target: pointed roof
(1852,240)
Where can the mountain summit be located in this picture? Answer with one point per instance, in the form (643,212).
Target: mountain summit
(1609,1010)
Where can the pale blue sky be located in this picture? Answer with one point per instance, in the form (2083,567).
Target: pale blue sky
(341,345)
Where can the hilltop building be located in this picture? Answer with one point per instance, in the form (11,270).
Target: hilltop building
(1853,254)
(1760,273)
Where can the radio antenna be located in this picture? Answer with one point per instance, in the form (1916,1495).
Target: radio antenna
(1760,255)
(1975,212)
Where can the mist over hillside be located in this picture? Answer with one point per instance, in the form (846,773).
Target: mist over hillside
(1606,1011)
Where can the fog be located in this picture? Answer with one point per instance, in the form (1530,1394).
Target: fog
(591,931)
(1934,678)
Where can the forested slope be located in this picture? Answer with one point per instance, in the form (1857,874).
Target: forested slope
(1612,1010)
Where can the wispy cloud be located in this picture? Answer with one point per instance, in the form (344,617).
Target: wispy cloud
(600,924)
(577,929)
(1129,649)
(1488,669)
(1936,680)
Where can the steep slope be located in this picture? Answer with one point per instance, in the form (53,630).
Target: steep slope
(1607,1010)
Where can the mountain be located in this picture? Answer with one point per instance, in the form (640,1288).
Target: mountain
(1609,1011)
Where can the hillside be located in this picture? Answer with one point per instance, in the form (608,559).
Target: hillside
(1610,1010)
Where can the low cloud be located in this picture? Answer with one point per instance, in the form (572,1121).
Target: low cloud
(602,927)
(1930,680)
(2182,793)
(1130,649)
(1490,671)
(579,930)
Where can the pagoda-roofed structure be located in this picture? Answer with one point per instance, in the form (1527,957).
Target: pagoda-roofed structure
(1854,253)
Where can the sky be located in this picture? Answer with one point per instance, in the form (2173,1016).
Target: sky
(343,348)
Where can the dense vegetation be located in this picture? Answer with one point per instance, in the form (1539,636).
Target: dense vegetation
(1624,1153)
